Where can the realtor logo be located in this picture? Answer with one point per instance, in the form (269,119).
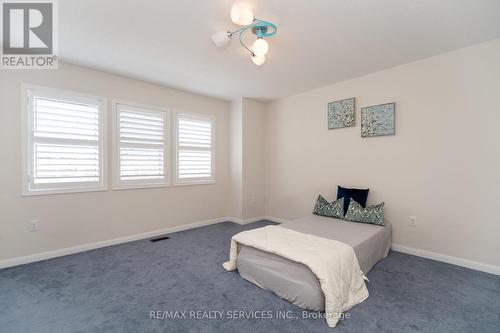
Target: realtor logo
(29,35)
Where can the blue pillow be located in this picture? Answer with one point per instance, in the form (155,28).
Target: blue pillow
(359,195)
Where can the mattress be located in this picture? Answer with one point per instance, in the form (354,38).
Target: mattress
(294,281)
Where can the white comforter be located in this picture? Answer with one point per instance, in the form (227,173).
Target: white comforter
(334,264)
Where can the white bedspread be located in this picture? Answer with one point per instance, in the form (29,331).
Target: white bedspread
(332,262)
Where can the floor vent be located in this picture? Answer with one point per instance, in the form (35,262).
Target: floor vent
(157,239)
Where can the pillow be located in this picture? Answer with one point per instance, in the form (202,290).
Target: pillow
(360,195)
(372,214)
(325,208)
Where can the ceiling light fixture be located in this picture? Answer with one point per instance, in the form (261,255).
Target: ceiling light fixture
(241,14)
(258,60)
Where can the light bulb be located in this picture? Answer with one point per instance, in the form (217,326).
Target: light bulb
(221,38)
(241,14)
(260,47)
(258,59)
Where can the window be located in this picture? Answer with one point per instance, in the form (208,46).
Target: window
(194,149)
(140,146)
(62,141)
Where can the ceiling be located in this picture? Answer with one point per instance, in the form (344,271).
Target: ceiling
(319,42)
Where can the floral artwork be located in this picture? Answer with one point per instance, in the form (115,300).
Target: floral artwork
(341,113)
(378,120)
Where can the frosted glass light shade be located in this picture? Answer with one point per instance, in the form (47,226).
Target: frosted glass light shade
(241,14)
(221,38)
(258,60)
(260,47)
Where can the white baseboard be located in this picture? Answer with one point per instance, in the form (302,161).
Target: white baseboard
(405,249)
(428,254)
(91,246)
(256,219)
(244,221)
(274,219)
(448,259)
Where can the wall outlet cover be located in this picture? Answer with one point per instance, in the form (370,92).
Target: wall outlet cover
(33,225)
(412,221)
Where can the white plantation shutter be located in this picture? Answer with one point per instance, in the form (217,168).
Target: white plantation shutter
(65,164)
(194,148)
(64,142)
(141,136)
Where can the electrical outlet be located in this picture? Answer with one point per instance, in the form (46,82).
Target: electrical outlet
(33,225)
(412,221)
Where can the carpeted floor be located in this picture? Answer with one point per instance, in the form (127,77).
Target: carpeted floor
(114,289)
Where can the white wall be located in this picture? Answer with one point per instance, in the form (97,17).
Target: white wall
(247,137)
(235,208)
(253,158)
(442,166)
(68,220)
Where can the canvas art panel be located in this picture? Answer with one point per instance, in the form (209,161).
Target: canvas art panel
(378,120)
(341,113)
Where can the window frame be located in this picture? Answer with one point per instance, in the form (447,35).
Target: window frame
(28,91)
(118,184)
(194,116)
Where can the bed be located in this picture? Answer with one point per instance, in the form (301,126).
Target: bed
(294,281)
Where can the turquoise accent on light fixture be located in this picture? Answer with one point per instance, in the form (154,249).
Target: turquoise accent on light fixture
(240,14)
(264,29)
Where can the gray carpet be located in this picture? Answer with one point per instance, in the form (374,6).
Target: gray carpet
(114,289)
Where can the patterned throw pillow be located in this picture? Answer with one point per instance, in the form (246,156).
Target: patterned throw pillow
(325,208)
(371,214)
